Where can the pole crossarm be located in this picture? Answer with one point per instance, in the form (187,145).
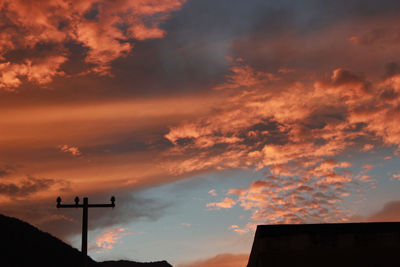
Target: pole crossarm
(85,206)
(89,206)
(77,205)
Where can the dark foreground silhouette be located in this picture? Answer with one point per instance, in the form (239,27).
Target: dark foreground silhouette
(327,245)
(23,245)
(85,207)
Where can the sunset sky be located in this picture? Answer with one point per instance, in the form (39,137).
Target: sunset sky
(203,117)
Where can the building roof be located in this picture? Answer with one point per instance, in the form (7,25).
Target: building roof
(339,244)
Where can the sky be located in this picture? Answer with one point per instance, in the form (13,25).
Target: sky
(203,118)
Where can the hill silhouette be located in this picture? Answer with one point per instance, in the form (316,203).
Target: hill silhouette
(25,245)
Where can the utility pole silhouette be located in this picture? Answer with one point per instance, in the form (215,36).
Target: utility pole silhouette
(85,207)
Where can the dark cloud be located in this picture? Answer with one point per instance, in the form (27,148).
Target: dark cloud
(27,187)
(391,69)
(191,56)
(66,222)
(130,207)
(269,131)
(316,35)
(6,170)
(3,172)
(387,35)
(343,77)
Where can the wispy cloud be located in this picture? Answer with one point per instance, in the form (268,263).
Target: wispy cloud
(239,230)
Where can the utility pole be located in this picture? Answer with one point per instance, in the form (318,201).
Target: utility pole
(85,207)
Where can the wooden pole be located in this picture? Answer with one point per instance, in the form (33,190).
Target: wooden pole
(85,207)
(85,231)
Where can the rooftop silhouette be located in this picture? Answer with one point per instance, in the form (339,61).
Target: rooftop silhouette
(341,244)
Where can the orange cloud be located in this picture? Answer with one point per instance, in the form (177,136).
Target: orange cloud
(221,260)
(262,126)
(295,132)
(40,71)
(367,147)
(97,25)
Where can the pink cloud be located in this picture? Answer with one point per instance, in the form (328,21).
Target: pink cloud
(368,167)
(396,176)
(239,230)
(212,192)
(293,200)
(227,203)
(108,239)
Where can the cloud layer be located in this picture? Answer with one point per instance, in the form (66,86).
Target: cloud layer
(295,130)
